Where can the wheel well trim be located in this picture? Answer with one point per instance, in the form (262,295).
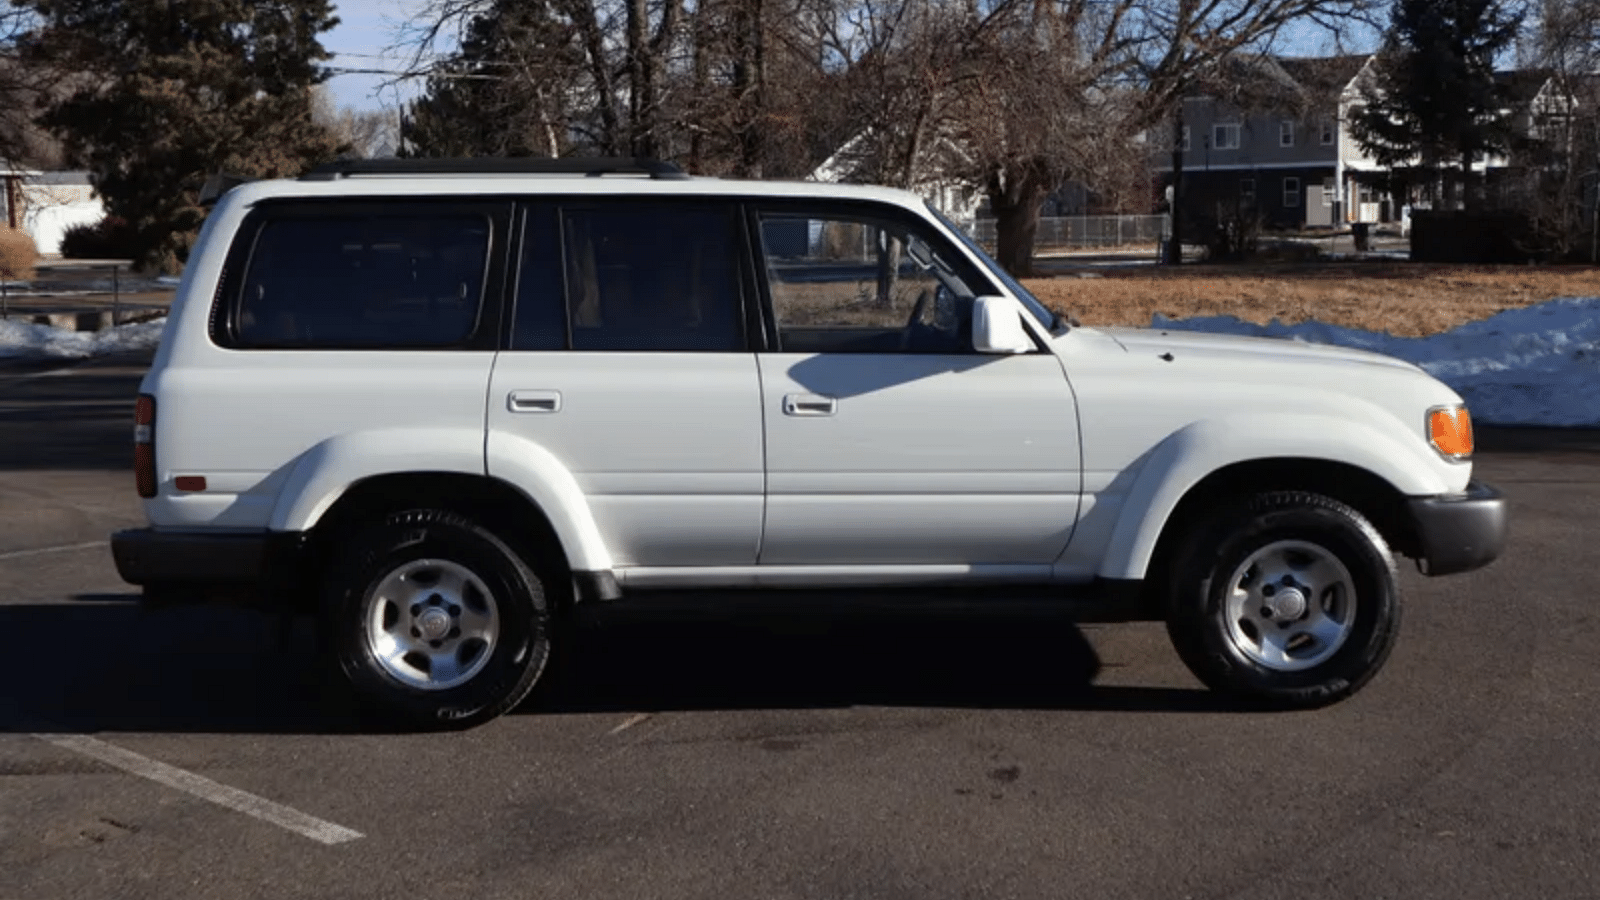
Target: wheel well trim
(326,472)
(1189,456)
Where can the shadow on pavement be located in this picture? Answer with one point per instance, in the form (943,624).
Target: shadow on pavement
(111,666)
(80,418)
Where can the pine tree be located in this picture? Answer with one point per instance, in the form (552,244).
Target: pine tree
(1433,97)
(505,91)
(172,91)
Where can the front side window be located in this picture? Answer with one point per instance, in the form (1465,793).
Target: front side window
(1291,192)
(363,281)
(1286,133)
(847,283)
(1225,137)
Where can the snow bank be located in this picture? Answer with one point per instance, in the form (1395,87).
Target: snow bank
(1539,365)
(25,340)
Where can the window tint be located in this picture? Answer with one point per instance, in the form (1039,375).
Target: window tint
(364,281)
(652,276)
(541,316)
(846,284)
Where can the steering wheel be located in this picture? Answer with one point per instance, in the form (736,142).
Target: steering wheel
(917,309)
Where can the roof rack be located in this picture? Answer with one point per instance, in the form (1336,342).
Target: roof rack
(592,166)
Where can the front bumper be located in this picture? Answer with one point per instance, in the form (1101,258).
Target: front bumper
(183,567)
(1458,532)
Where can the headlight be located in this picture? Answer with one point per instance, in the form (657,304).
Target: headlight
(1450,431)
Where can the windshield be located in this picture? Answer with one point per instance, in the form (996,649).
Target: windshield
(1039,311)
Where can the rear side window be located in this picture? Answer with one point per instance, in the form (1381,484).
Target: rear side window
(629,275)
(389,280)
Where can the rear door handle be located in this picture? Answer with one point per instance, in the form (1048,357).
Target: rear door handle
(809,405)
(534,401)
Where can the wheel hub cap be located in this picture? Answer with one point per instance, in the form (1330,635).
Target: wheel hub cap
(1288,603)
(434,623)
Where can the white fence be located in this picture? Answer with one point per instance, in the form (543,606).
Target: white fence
(1085,232)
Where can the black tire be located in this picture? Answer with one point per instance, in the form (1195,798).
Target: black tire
(501,594)
(1223,631)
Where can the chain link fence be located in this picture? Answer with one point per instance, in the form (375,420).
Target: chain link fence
(1085,232)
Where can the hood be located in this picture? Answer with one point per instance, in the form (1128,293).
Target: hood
(1219,347)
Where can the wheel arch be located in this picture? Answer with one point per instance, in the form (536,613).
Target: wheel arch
(506,511)
(1369,494)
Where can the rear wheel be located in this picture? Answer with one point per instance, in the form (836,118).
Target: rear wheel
(1287,598)
(434,621)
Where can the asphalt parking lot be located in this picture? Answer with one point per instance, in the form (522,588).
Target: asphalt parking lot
(196,753)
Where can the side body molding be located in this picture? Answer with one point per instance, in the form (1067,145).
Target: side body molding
(1191,453)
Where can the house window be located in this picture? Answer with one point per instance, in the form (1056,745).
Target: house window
(1225,137)
(1186,139)
(1327,132)
(1286,133)
(1247,192)
(1291,193)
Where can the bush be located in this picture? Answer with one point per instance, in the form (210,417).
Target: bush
(109,238)
(18,254)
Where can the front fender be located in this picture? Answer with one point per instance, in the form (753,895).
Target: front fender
(1188,455)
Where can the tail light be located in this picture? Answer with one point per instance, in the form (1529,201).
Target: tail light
(144,445)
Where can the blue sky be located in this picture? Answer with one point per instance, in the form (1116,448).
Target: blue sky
(366,29)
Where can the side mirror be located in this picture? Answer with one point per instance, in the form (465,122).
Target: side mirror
(997,326)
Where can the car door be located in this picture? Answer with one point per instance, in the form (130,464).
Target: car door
(628,361)
(889,440)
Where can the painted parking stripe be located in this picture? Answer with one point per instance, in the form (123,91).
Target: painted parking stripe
(64,548)
(204,788)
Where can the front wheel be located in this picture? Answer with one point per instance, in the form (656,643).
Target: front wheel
(434,621)
(1287,598)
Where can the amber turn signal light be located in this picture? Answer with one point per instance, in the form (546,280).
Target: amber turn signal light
(1450,431)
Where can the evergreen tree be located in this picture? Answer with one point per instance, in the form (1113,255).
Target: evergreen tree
(1433,97)
(505,91)
(172,91)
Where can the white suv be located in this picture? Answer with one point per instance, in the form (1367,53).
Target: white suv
(440,403)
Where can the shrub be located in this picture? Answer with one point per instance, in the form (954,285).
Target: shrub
(18,254)
(109,238)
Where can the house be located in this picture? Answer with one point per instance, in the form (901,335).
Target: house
(45,204)
(857,160)
(1271,141)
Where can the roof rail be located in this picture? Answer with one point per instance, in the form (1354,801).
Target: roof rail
(592,166)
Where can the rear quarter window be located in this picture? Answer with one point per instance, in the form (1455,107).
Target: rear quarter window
(377,279)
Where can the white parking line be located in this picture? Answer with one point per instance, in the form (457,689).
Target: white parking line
(204,788)
(629,722)
(64,548)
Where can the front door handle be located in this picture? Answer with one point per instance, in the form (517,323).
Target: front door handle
(809,405)
(534,401)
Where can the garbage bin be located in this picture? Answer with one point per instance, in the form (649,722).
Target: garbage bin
(1359,231)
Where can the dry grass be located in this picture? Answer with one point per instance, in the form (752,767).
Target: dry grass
(18,254)
(1409,299)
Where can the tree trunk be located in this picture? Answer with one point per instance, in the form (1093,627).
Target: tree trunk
(1014,197)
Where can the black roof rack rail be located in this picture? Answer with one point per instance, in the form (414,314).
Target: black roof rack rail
(497,165)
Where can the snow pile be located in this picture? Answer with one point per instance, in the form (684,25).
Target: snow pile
(25,340)
(1539,365)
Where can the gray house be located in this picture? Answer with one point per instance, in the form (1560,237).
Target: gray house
(1272,144)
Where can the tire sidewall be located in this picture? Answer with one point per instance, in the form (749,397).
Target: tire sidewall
(521,648)
(1199,619)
